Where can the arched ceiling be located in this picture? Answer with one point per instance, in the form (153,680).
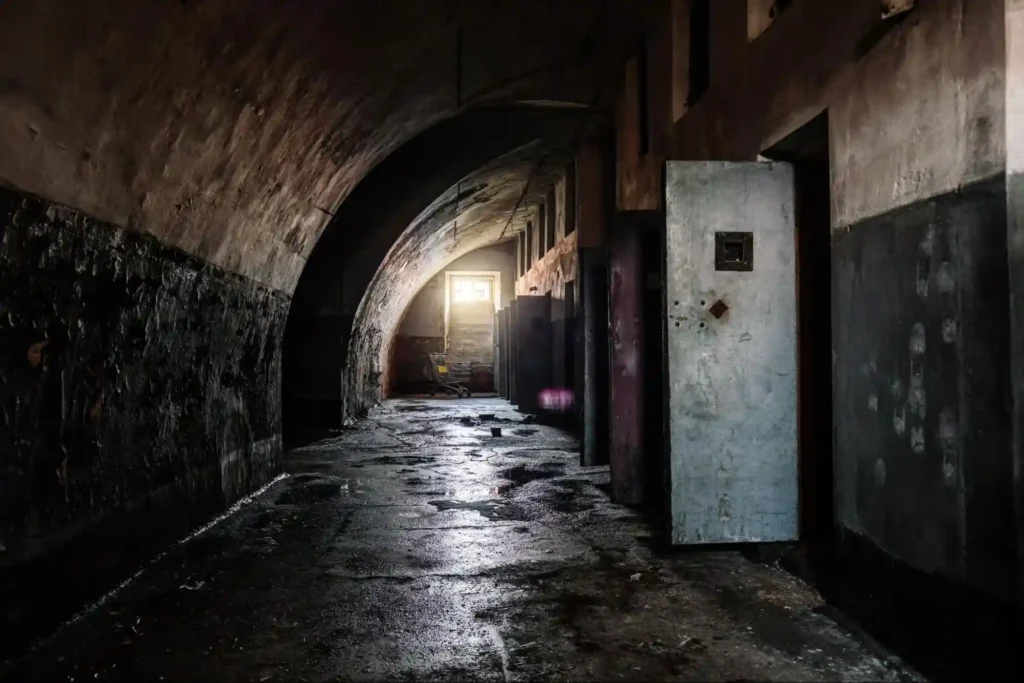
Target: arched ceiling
(386,203)
(488,206)
(397,228)
(234,129)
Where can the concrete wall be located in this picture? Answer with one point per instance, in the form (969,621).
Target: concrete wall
(917,136)
(139,393)
(921,289)
(1015,243)
(239,151)
(552,273)
(471,340)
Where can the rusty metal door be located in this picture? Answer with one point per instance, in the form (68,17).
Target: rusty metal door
(731,351)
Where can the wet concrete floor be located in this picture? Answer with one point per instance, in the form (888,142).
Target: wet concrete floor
(416,546)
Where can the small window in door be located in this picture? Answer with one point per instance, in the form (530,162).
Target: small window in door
(734,251)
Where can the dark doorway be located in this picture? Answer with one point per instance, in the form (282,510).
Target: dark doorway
(807,149)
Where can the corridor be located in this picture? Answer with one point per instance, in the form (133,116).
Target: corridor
(417,546)
(760,261)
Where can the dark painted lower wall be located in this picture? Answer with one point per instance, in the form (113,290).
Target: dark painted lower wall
(139,395)
(410,367)
(1015,257)
(411,372)
(311,372)
(921,344)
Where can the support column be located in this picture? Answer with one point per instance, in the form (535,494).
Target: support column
(593,188)
(594,281)
(625,260)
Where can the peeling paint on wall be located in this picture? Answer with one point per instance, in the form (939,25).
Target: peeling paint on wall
(552,271)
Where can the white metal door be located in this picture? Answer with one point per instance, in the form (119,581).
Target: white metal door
(731,351)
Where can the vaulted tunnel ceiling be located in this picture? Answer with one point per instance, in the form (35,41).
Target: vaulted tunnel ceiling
(233,129)
(488,206)
(397,229)
(387,202)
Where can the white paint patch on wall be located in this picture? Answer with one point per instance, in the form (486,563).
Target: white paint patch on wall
(946,278)
(949,433)
(899,420)
(917,339)
(949,328)
(928,243)
(916,398)
(917,440)
(897,388)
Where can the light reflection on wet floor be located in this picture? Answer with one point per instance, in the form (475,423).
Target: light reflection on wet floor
(416,547)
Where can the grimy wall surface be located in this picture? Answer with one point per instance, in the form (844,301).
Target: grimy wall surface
(139,393)
(202,148)
(921,338)
(920,331)
(555,270)
(917,121)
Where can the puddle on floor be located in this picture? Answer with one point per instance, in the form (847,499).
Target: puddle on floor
(489,509)
(524,474)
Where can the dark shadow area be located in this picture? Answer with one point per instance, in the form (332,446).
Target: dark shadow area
(807,149)
(596,378)
(944,629)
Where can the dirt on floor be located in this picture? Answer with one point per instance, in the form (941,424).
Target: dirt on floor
(417,546)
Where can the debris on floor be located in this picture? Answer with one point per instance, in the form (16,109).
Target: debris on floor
(387,557)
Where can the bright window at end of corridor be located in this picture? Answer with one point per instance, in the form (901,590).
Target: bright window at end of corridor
(471,289)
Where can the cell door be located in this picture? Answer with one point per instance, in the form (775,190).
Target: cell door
(534,350)
(731,351)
